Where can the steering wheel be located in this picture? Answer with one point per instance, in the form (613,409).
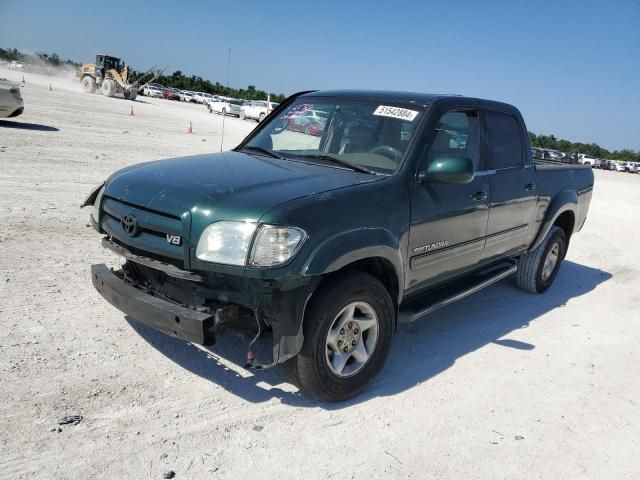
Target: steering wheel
(387,151)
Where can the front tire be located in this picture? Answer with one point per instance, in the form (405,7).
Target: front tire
(261,117)
(109,88)
(348,328)
(538,269)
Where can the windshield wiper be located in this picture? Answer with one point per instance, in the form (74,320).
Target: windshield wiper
(263,150)
(342,163)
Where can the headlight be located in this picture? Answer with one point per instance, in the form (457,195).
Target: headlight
(226,242)
(275,245)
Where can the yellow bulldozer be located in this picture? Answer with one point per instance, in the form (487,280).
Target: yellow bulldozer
(111,76)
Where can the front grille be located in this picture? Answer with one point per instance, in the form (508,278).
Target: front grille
(152,228)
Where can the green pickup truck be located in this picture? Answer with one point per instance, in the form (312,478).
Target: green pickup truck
(340,216)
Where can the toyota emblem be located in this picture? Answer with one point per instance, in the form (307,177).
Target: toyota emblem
(129,225)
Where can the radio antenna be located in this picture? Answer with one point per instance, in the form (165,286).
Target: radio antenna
(223,116)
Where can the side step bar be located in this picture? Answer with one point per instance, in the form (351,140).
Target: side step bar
(433,300)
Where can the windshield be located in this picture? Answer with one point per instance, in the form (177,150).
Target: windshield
(363,133)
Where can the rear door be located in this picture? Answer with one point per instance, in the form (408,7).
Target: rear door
(448,221)
(512,182)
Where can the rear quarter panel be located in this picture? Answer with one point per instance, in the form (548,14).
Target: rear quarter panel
(561,188)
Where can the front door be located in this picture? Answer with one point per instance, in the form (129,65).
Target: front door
(513,186)
(448,221)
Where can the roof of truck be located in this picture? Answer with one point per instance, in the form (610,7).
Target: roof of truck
(382,95)
(409,97)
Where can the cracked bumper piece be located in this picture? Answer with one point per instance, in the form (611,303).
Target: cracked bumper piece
(167,317)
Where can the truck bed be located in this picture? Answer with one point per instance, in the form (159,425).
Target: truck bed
(566,182)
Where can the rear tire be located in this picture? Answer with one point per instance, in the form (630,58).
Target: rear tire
(538,269)
(89,84)
(355,308)
(109,87)
(261,117)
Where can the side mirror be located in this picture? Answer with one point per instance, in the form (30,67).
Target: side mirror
(447,169)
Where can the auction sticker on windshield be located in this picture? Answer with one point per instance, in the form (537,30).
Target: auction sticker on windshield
(396,112)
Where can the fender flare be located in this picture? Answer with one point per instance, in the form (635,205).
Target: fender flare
(564,201)
(348,247)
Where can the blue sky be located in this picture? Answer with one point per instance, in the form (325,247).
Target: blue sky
(571,67)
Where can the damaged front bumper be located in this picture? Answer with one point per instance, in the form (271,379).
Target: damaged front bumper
(154,312)
(189,305)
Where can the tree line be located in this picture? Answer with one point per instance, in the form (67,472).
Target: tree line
(591,149)
(39,58)
(198,84)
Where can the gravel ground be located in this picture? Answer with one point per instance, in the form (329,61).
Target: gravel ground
(501,385)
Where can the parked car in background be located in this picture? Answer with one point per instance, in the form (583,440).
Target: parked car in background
(226,106)
(170,94)
(607,165)
(188,96)
(16,65)
(584,159)
(153,90)
(11,102)
(201,97)
(256,110)
(537,153)
(619,167)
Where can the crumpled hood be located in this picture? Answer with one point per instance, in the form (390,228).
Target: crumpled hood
(225,186)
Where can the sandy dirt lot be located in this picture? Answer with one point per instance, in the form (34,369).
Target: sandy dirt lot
(504,384)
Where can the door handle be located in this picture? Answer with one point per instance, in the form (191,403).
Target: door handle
(530,187)
(479,196)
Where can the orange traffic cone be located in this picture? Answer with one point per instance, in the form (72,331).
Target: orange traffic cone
(50,89)
(131,111)
(190,128)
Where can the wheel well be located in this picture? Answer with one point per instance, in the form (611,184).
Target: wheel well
(377,267)
(566,222)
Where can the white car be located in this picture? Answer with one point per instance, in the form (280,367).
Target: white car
(11,103)
(187,96)
(256,110)
(225,106)
(16,65)
(587,160)
(202,97)
(619,166)
(151,90)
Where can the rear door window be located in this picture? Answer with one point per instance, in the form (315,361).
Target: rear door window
(504,141)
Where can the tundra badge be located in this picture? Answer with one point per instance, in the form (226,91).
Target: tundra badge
(430,247)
